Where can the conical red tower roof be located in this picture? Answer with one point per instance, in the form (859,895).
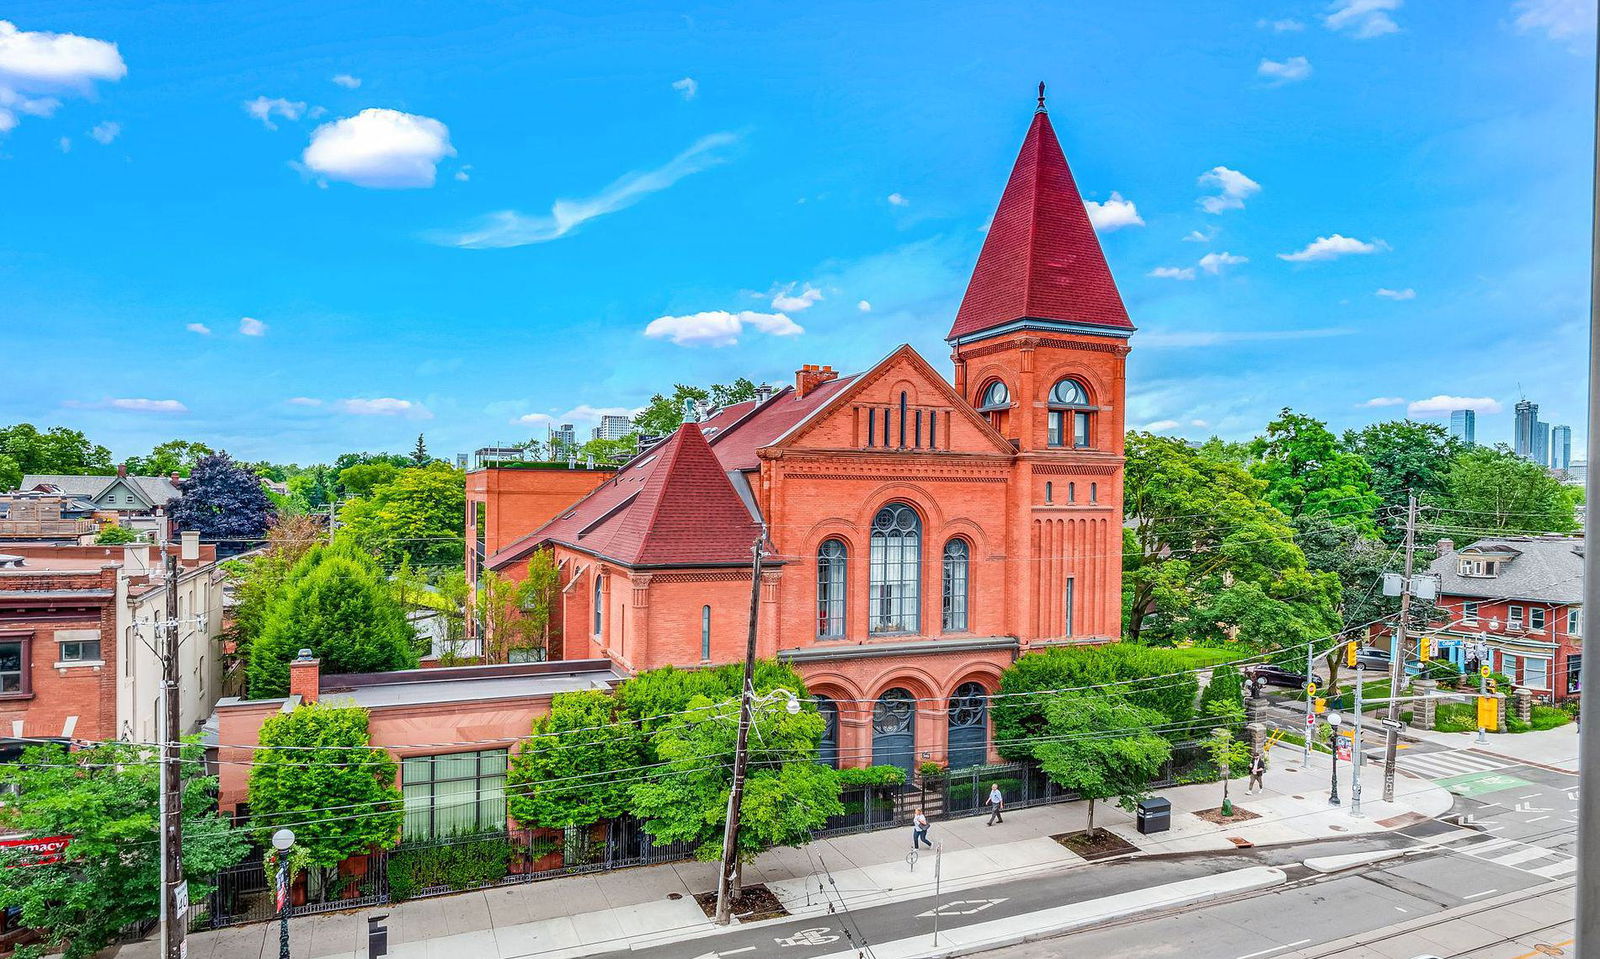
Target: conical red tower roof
(1041,259)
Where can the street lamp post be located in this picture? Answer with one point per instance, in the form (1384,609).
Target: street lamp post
(1334,719)
(281,841)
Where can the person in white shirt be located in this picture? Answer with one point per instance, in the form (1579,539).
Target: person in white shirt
(995,804)
(919,830)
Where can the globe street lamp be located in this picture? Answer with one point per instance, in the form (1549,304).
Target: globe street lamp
(1334,719)
(281,841)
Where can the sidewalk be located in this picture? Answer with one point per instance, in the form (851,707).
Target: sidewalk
(1556,748)
(584,915)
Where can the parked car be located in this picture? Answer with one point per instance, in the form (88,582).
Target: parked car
(1378,660)
(1265,674)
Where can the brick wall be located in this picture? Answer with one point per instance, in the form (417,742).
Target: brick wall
(77,700)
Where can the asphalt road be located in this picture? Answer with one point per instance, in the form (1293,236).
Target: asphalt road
(1519,833)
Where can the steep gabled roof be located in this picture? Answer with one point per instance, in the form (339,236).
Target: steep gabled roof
(1041,259)
(156,490)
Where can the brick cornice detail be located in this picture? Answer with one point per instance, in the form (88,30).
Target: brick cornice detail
(902,477)
(719,576)
(1088,469)
(1028,343)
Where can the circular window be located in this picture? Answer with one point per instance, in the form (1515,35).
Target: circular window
(1069,392)
(968,704)
(893,711)
(995,396)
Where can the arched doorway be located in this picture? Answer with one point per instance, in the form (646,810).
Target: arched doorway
(969,726)
(894,730)
(828,748)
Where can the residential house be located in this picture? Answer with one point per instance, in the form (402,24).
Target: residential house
(138,502)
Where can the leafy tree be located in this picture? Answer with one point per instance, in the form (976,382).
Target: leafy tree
(1226,687)
(56,450)
(1223,748)
(1308,472)
(223,502)
(419,453)
(1103,747)
(362,478)
(575,768)
(651,696)
(1405,457)
(498,604)
(317,772)
(258,581)
(610,451)
(1154,679)
(173,456)
(335,604)
(1489,491)
(787,793)
(665,413)
(115,534)
(1207,558)
(107,798)
(416,518)
(345,460)
(10,472)
(1219,450)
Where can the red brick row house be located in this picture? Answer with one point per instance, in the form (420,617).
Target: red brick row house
(920,531)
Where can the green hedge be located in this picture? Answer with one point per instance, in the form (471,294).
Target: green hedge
(458,865)
(858,778)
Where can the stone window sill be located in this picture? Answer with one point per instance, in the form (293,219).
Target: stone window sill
(96,663)
(7,697)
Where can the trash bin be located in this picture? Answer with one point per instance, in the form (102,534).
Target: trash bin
(1154,815)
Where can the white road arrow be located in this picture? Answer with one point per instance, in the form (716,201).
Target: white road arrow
(730,952)
(1530,807)
(961,907)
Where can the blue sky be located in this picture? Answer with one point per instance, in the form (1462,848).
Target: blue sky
(295,229)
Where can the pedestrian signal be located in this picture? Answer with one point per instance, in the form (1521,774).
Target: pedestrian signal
(1321,705)
(1488,715)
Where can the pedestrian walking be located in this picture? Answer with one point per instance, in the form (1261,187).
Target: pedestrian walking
(996,803)
(919,830)
(1258,769)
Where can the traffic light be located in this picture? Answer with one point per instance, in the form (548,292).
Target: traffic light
(1350,654)
(1320,705)
(1425,648)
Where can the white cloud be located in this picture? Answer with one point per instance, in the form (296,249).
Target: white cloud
(1443,404)
(1331,248)
(1214,262)
(534,419)
(250,326)
(1113,214)
(1281,26)
(465,173)
(509,228)
(1200,423)
(1285,71)
(303,401)
(1406,294)
(687,87)
(133,404)
(104,133)
(864,306)
(37,67)
(265,108)
(347,81)
(584,411)
(1226,337)
(896,199)
(1362,19)
(1173,272)
(200,328)
(1559,19)
(384,406)
(1232,188)
(1378,401)
(1201,236)
(65,143)
(718,327)
(383,149)
(787,301)
(1160,426)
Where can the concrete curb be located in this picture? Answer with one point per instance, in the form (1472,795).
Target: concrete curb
(1049,923)
(1327,864)
(1428,921)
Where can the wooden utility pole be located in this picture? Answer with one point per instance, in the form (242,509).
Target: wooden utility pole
(1397,658)
(730,831)
(174,914)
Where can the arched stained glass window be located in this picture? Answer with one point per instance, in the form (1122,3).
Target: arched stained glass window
(832,562)
(1070,414)
(598,607)
(705,633)
(995,397)
(956,554)
(894,574)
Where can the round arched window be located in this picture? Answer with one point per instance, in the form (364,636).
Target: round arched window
(995,397)
(1069,392)
(1071,415)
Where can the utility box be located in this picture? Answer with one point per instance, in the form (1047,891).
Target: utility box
(1154,815)
(377,937)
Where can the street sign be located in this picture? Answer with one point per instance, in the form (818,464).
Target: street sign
(1311,689)
(1311,720)
(183,899)
(1484,671)
(1391,724)
(1344,749)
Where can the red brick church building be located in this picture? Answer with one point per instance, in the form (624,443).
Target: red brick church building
(920,532)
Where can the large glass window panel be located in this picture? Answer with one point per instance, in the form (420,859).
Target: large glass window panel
(11,667)
(454,795)
(831,589)
(956,555)
(895,570)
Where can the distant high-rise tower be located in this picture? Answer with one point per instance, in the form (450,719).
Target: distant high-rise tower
(563,439)
(1464,426)
(1541,443)
(1522,439)
(613,427)
(1561,448)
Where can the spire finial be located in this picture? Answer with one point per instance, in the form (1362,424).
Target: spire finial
(1041,97)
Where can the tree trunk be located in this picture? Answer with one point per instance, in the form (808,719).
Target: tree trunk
(738,879)
(1090,831)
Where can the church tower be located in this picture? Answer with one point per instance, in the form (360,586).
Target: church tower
(1040,345)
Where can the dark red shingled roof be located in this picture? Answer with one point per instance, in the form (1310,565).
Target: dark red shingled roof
(1041,258)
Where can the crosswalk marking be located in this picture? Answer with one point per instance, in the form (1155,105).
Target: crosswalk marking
(1556,870)
(1519,855)
(1446,764)
(1527,854)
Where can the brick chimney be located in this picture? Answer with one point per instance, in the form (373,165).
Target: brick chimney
(811,376)
(175,477)
(305,677)
(122,469)
(1445,546)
